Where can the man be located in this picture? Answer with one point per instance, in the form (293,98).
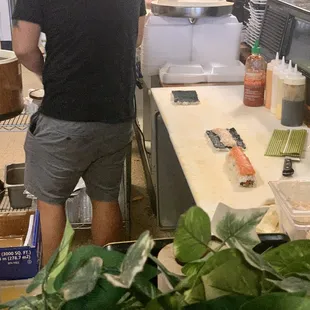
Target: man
(85,122)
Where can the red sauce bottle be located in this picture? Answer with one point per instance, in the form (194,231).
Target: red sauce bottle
(255,79)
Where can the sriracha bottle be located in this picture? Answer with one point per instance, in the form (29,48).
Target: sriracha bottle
(255,78)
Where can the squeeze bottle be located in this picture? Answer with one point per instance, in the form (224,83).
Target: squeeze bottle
(275,75)
(255,77)
(270,67)
(281,77)
(294,89)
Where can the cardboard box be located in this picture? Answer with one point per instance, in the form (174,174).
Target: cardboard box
(11,290)
(21,262)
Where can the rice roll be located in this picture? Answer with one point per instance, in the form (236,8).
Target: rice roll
(225,137)
(241,165)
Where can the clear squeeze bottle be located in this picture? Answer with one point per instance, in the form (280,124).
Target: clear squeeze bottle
(270,67)
(275,76)
(294,89)
(281,76)
(255,78)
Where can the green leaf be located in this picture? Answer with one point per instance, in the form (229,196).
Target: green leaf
(291,257)
(134,261)
(293,285)
(144,290)
(195,294)
(170,301)
(42,275)
(232,278)
(129,303)
(255,260)
(104,296)
(195,270)
(63,251)
(305,276)
(232,224)
(111,259)
(204,266)
(173,279)
(277,301)
(22,302)
(222,303)
(192,236)
(84,281)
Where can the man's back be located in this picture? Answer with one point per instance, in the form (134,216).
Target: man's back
(89,73)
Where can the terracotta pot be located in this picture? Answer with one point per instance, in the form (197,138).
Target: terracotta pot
(11,99)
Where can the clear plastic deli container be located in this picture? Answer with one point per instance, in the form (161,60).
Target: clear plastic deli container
(293,204)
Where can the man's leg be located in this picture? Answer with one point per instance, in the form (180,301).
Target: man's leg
(107,222)
(103,179)
(53,222)
(53,168)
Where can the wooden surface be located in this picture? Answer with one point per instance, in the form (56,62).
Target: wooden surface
(11,99)
(205,169)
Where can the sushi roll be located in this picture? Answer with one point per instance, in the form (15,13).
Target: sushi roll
(225,137)
(241,165)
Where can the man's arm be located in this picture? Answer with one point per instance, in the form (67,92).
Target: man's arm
(141,30)
(25,44)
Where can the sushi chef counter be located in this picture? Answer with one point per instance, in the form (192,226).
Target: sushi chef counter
(205,169)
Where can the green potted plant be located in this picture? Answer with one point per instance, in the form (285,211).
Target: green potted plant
(225,274)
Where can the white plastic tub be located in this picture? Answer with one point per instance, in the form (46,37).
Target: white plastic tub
(293,204)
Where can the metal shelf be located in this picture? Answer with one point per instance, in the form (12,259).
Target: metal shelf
(19,123)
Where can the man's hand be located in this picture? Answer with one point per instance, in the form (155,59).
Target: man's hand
(25,44)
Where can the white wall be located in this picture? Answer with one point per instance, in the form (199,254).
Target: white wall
(5,21)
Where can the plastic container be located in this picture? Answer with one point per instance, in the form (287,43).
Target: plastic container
(275,76)
(255,77)
(182,74)
(293,204)
(14,182)
(294,92)
(270,67)
(280,89)
(213,72)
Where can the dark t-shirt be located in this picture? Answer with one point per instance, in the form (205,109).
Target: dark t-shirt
(89,73)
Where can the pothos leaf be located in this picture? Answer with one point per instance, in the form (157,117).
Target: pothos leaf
(133,263)
(42,275)
(291,257)
(278,301)
(192,236)
(254,259)
(84,280)
(196,270)
(232,224)
(144,290)
(63,251)
(293,285)
(232,278)
(173,279)
(81,255)
(233,302)
(21,302)
(170,301)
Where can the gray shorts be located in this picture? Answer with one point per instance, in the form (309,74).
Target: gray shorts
(59,153)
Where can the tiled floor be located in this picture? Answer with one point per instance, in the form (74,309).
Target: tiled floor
(142,217)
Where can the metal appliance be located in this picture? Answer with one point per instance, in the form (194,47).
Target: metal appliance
(286,29)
